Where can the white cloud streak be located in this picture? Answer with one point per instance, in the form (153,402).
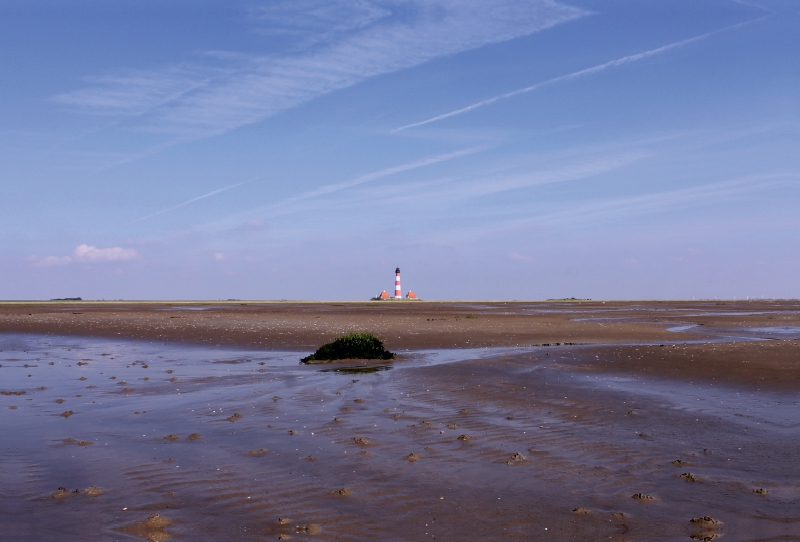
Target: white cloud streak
(574,75)
(305,201)
(626,207)
(658,202)
(483,185)
(187,202)
(374,176)
(89,254)
(204,100)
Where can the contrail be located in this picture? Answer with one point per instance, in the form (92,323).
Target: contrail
(187,202)
(328,189)
(575,75)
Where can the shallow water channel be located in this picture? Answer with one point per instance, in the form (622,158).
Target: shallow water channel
(223,443)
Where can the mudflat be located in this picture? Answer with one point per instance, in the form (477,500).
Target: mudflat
(498,421)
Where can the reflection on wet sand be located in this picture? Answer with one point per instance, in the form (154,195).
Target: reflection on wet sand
(556,443)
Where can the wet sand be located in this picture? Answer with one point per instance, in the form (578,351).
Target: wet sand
(402,325)
(618,438)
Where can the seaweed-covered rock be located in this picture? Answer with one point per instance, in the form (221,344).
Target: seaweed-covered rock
(351,346)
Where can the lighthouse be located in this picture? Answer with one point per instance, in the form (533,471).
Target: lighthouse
(398,293)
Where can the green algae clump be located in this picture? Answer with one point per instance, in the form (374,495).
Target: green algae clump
(363,345)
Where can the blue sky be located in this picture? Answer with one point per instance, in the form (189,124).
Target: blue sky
(493,149)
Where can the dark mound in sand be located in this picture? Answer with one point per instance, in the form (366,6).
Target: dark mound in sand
(350,346)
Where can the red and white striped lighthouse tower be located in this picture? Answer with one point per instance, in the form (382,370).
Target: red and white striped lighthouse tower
(398,293)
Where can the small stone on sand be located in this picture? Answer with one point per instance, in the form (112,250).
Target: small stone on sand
(308,529)
(67,413)
(642,497)
(92,491)
(413,457)
(463,437)
(172,437)
(194,436)
(63,493)
(362,441)
(706,521)
(156,521)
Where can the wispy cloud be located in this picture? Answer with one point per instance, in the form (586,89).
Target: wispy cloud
(89,254)
(187,202)
(669,200)
(480,185)
(657,202)
(374,176)
(314,21)
(574,75)
(202,100)
(624,207)
(310,199)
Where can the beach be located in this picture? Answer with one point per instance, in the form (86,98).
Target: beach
(497,421)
